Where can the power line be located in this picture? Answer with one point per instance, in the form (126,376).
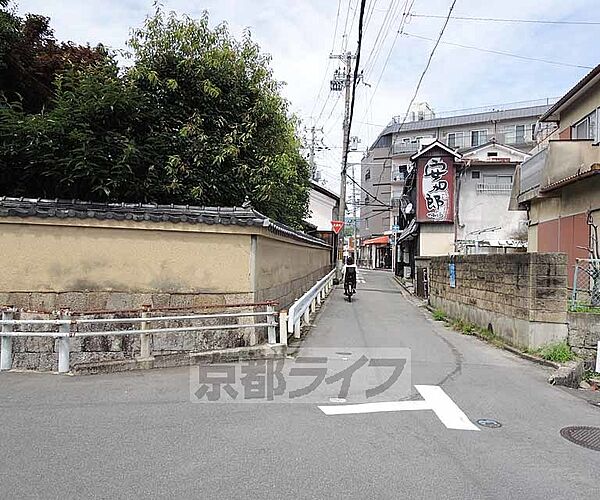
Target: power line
(345,36)
(400,30)
(390,18)
(517,56)
(431,54)
(501,20)
(424,72)
(337,18)
(354,81)
(367,192)
(370,13)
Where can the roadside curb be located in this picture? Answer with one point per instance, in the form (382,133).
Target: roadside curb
(568,374)
(231,355)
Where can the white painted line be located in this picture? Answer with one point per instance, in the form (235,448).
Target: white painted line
(375,407)
(434,398)
(445,409)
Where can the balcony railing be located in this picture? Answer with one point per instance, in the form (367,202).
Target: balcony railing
(405,148)
(483,187)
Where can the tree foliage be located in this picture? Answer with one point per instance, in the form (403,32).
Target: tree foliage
(197,119)
(31,58)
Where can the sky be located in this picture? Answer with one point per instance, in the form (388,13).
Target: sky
(301,34)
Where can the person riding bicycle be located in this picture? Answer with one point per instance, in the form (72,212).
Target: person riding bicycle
(349,276)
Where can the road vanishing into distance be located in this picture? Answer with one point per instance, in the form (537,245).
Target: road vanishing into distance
(139,435)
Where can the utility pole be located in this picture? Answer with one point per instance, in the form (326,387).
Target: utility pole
(311,152)
(314,145)
(354,216)
(343,80)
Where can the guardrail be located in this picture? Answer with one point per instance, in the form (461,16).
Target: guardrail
(304,306)
(67,327)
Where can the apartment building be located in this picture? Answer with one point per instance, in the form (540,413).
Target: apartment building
(559,186)
(386,164)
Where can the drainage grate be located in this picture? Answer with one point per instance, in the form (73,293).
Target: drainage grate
(588,437)
(488,422)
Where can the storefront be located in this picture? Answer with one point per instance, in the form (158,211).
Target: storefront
(377,253)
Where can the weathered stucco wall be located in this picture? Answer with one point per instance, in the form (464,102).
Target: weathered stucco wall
(284,271)
(89,264)
(99,259)
(436,239)
(58,258)
(521,297)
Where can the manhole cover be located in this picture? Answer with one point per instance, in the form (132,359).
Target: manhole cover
(588,437)
(488,422)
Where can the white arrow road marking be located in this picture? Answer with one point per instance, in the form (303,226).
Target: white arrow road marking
(434,398)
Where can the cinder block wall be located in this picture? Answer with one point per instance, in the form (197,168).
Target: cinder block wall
(521,297)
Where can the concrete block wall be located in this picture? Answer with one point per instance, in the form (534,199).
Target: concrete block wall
(521,297)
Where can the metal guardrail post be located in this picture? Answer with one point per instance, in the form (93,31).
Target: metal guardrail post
(64,345)
(283,332)
(306,316)
(271,330)
(598,358)
(145,338)
(6,347)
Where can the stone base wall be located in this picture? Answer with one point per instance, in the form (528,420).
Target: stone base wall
(584,334)
(285,294)
(89,301)
(41,353)
(521,297)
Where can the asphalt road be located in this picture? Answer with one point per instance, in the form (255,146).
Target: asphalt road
(137,435)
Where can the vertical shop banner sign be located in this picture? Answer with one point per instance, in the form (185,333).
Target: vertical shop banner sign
(435,201)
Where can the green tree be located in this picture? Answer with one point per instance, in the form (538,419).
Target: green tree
(198,119)
(31,58)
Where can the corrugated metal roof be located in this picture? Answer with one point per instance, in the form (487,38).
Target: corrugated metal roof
(509,114)
(147,212)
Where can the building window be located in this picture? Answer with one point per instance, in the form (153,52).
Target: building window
(455,139)
(586,128)
(519,134)
(475,174)
(492,154)
(478,137)
(367,175)
(533,131)
(451,140)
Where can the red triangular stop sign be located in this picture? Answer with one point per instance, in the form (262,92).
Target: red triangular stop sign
(337,226)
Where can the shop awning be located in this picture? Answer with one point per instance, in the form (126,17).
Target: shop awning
(409,231)
(380,240)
